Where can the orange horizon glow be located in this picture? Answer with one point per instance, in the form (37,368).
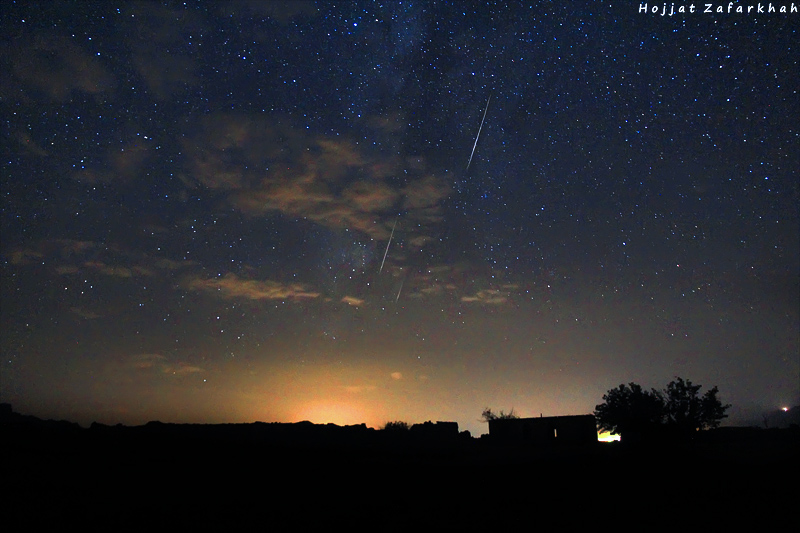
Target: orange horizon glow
(341,413)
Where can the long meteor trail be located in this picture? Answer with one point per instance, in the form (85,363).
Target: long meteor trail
(479,132)
(387,246)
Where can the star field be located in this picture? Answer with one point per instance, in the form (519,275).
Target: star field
(197,201)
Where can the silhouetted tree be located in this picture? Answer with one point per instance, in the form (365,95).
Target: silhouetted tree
(686,412)
(676,411)
(631,412)
(487,415)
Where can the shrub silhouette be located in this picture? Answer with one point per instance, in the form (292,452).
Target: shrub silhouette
(488,415)
(397,426)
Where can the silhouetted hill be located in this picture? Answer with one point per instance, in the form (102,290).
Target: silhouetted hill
(303,475)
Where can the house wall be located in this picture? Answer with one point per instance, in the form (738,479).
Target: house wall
(552,430)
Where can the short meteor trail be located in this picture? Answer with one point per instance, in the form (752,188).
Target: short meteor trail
(387,246)
(401,290)
(479,132)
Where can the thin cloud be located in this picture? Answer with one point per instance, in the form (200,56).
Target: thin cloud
(425,193)
(180,369)
(231,286)
(156,42)
(53,65)
(419,241)
(75,246)
(162,365)
(71,256)
(29,145)
(370,197)
(169,264)
(25,257)
(267,166)
(110,270)
(146,360)
(459,283)
(352,300)
(487,296)
(121,165)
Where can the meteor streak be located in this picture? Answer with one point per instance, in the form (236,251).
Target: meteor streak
(479,131)
(387,246)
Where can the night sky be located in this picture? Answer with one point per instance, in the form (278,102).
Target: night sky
(243,211)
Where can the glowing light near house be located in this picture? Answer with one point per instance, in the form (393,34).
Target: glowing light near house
(607,437)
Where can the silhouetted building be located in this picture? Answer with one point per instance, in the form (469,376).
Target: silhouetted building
(439,430)
(545,431)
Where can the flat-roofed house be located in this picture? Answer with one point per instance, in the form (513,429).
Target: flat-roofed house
(545,431)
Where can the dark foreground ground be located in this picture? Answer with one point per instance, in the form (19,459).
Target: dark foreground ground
(301,477)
